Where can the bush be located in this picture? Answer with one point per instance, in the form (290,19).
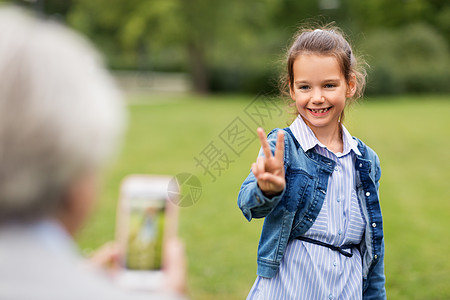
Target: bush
(412,59)
(243,80)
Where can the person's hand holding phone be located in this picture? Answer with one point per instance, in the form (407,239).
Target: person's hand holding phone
(175,262)
(269,169)
(107,258)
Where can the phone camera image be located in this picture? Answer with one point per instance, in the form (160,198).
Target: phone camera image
(146,220)
(146,232)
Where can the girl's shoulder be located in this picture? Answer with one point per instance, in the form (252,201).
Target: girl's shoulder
(365,150)
(289,139)
(292,148)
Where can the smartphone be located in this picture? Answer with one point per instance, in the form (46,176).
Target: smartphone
(146,219)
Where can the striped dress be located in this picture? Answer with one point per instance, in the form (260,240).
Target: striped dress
(309,271)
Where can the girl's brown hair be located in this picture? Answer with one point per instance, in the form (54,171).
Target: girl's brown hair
(328,40)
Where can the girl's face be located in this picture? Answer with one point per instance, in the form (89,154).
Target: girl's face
(320,91)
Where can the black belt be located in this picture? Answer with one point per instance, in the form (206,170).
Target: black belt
(334,248)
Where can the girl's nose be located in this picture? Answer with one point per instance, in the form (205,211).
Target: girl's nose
(317,98)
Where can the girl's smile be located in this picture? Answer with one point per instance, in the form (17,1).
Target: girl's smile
(319,112)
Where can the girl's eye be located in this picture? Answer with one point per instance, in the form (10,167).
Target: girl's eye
(303,87)
(330,85)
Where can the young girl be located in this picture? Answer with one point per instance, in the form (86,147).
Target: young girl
(316,186)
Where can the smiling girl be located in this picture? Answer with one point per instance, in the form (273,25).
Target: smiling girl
(316,185)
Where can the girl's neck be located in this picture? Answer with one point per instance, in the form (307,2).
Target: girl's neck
(330,137)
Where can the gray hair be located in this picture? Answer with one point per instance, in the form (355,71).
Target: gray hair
(60,113)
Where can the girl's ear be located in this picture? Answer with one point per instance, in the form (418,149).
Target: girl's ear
(351,86)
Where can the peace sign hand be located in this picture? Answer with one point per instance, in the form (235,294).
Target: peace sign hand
(269,169)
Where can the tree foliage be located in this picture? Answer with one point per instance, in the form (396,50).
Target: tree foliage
(232,45)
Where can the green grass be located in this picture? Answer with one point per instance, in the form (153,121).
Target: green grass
(410,134)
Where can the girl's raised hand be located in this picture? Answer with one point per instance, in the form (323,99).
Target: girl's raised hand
(269,169)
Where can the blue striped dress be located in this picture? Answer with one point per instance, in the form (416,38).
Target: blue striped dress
(309,271)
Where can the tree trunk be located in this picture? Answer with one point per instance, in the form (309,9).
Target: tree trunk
(198,67)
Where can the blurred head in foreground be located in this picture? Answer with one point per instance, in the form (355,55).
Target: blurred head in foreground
(60,118)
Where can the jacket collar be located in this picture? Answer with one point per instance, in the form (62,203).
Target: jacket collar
(307,139)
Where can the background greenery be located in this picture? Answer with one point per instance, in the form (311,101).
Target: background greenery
(410,134)
(236,46)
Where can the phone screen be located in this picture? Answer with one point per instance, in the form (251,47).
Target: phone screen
(145,233)
(145,218)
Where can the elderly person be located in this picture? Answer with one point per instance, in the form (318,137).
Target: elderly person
(60,118)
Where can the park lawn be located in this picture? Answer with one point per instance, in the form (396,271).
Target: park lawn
(409,133)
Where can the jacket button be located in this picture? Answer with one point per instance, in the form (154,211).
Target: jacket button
(368,194)
(374,225)
(257,198)
(360,165)
(375,256)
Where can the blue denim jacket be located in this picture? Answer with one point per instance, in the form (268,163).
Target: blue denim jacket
(293,212)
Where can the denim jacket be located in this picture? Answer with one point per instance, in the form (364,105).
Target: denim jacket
(293,212)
